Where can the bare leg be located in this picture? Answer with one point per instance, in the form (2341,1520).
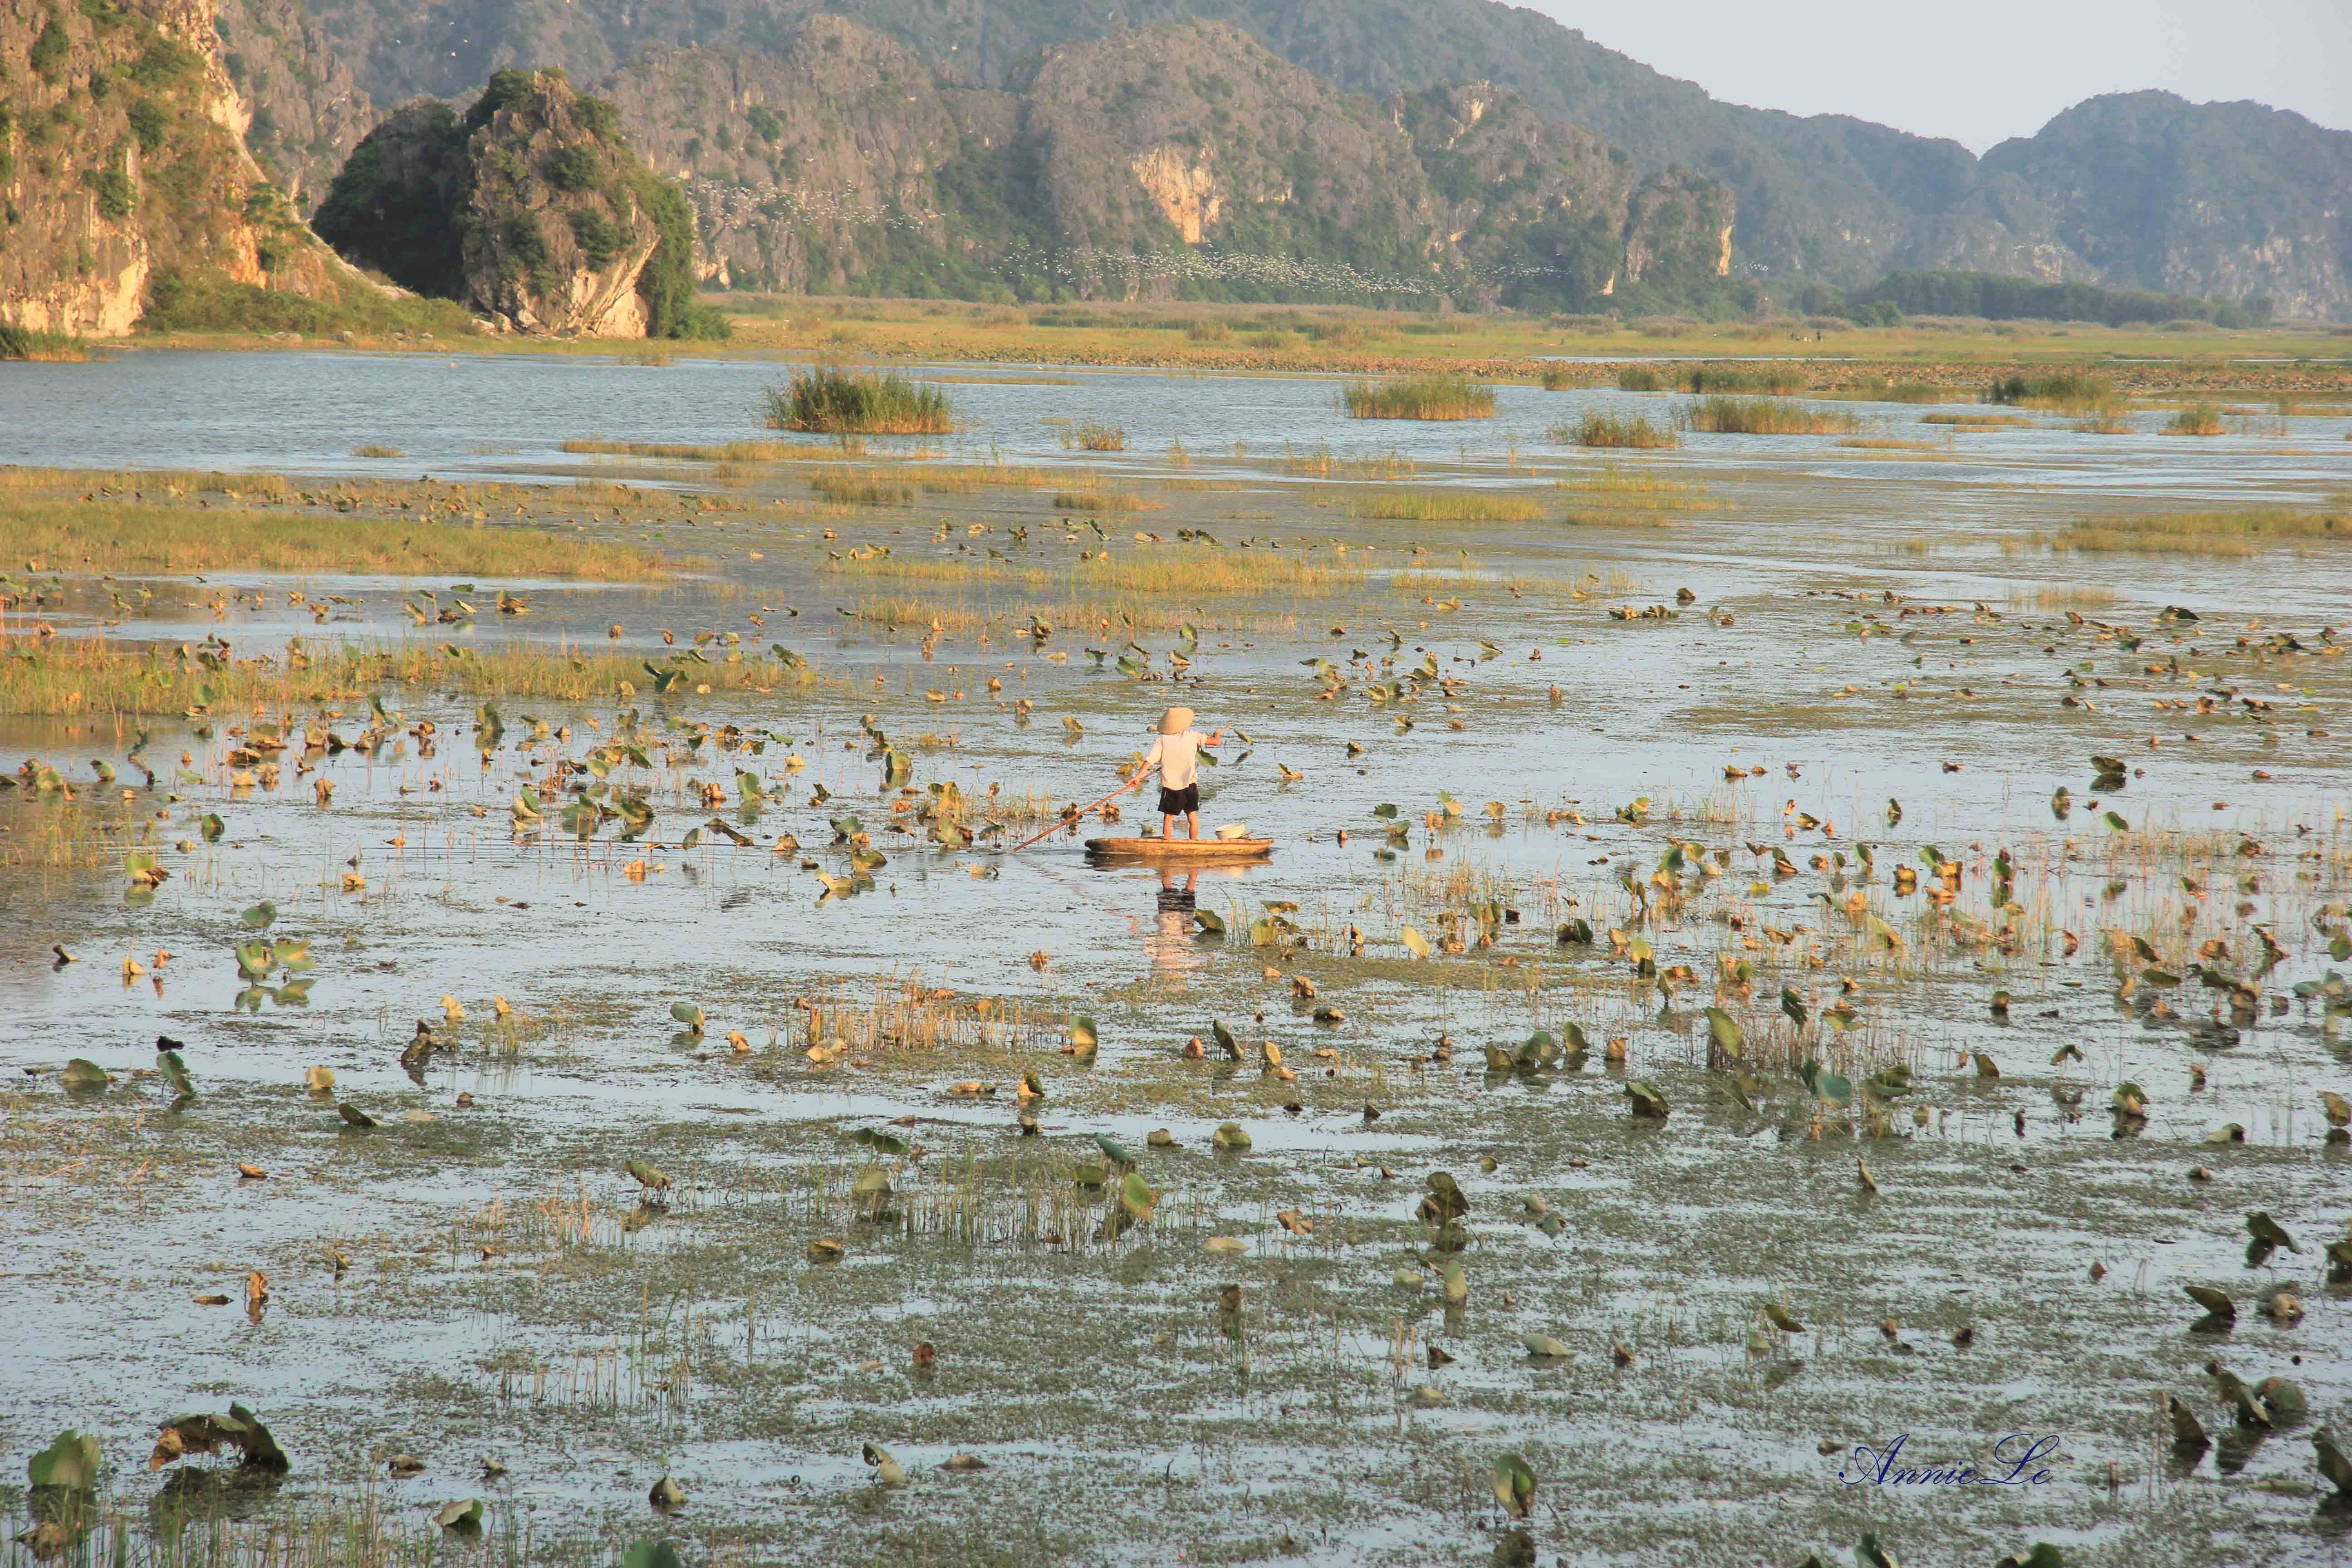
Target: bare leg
(1167,825)
(1192,824)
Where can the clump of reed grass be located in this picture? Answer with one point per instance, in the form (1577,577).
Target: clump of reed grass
(1094,436)
(128,538)
(1772,379)
(1420,398)
(1560,378)
(1601,429)
(2197,419)
(376,449)
(1445,506)
(1639,378)
(1764,417)
(1977,421)
(2068,391)
(831,400)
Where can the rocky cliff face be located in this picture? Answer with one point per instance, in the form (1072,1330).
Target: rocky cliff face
(1823,196)
(121,165)
(2149,191)
(308,111)
(1181,159)
(808,169)
(531,210)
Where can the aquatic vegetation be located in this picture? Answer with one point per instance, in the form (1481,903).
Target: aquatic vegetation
(94,675)
(1420,398)
(699,1080)
(2068,391)
(1745,377)
(2196,419)
(833,400)
(1601,429)
(108,535)
(1762,416)
(2235,531)
(1445,506)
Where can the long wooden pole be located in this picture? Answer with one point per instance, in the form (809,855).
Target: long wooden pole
(1073,819)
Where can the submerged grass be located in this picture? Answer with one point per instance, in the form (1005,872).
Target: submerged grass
(728,452)
(1601,429)
(80,677)
(830,400)
(2245,531)
(1420,398)
(1445,506)
(1764,417)
(116,537)
(2197,419)
(1186,573)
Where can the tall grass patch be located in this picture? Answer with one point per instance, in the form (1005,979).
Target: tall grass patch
(2068,391)
(831,400)
(1420,398)
(1726,415)
(1617,430)
(2197,419)
(1777,380)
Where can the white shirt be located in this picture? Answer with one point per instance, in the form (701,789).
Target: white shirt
(1178,756)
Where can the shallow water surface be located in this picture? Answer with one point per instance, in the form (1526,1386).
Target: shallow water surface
(1878,647)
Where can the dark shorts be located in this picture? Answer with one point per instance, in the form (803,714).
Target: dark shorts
(1176,802)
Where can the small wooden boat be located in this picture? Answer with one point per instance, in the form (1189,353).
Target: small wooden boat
(1179,849)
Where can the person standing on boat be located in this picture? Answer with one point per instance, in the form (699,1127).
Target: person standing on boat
(1176,752)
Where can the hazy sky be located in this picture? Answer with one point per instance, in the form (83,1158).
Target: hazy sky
(1982,72)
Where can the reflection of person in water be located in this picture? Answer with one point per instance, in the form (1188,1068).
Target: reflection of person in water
(1170,943)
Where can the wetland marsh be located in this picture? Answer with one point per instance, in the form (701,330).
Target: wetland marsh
(1940,824)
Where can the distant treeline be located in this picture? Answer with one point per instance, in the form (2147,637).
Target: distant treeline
(1996,298)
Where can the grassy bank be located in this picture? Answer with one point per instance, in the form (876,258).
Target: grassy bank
(131,537)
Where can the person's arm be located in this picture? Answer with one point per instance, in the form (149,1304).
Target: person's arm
(1150,761)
